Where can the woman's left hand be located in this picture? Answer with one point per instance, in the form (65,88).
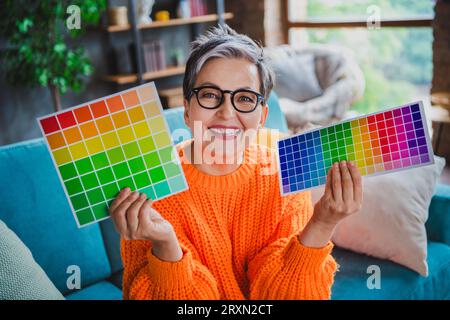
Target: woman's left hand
(342,196)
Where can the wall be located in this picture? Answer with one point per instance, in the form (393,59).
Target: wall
(259,19)
(248,17)
(441,47)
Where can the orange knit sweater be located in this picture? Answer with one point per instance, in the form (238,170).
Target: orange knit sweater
(239,240)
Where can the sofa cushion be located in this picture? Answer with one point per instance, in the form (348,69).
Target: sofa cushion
(111,239)
(177,126)
(103,290)
(396,281)
(275,118)
(21,278)
(392,227)
(34,206)
(438,224)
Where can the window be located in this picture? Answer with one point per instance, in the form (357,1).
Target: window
(396,58)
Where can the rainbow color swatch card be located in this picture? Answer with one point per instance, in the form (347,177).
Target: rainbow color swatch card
(382,142)
(105,145)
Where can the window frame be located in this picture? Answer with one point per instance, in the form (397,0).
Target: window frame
(346,23)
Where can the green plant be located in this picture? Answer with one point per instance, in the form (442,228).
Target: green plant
(39,50)
(177,56)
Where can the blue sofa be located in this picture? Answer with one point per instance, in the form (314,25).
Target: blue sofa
(33,205)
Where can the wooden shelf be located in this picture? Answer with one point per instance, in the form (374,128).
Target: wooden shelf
(129,78)
(170,71)
(172,97)
(172,22)
(322,23)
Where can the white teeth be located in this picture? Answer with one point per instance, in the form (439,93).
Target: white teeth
(225,131)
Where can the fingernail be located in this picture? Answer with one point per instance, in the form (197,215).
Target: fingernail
(336,164)
(344,163)
(350,163)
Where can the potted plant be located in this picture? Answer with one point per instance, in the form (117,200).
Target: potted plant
(176,55)
(38,49)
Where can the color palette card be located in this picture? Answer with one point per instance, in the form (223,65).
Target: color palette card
(108,144)
(382,142)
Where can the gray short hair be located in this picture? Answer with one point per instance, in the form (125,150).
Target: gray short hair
(224,42)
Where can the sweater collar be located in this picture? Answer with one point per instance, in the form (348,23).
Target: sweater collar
(230,181)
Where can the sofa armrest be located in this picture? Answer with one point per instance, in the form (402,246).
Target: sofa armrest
(438,223)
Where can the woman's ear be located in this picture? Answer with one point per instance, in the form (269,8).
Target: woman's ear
(264,113)
(186,112)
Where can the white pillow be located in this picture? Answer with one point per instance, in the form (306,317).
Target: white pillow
(391,224)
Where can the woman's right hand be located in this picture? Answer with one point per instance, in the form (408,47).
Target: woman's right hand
(135,219)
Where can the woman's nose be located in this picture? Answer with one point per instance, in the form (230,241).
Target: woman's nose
(226,109)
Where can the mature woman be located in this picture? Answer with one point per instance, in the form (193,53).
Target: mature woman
(231,235)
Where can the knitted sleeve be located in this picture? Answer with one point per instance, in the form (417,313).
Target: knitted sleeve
(147,277)
(285,269)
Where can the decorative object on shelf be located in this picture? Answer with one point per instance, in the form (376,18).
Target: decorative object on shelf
(154,55)
(184,9)
(162,15)
(176,56)
(144,9)
(118,16)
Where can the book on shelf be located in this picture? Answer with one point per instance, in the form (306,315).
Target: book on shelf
(192,8)
(154,55)
(204,8)
(198,8)
(160,55)
(121,59)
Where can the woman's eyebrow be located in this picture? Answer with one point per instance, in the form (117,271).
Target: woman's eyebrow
(208,84)
(215,85)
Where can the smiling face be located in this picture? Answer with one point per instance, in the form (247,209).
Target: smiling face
(224,130)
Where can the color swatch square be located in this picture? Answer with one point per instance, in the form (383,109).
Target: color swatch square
(103,146)
(379,143)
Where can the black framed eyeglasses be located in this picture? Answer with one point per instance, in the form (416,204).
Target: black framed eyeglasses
(243,100)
